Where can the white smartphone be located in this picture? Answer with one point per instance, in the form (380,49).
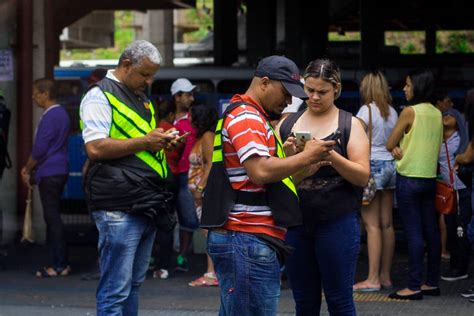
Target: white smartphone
(301,137)
(174,133)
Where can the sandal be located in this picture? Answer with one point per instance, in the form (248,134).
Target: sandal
(205,280)
(50,272)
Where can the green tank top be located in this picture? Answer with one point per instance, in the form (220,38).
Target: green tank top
(421,144)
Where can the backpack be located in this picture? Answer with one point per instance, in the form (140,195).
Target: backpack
(345,123)
(5,115)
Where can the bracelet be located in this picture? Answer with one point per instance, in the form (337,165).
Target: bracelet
(199,188)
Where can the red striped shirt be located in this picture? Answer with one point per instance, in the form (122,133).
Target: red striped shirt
(246,134)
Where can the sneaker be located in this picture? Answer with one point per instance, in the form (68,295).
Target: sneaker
(469,293)
(454,275)
(161,274)
(181,264)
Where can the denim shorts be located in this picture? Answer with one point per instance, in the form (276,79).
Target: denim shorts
(384,173)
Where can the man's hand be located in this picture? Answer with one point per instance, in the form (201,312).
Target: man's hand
(317,150)
(157,139)
(397,153)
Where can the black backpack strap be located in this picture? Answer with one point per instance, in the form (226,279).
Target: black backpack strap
(345,125)
(287,125)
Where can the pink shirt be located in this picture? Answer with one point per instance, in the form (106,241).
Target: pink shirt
(183,125)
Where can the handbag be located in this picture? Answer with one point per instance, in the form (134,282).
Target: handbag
(445,198)
(370,189)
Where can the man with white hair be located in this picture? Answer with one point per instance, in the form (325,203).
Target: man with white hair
(125,183)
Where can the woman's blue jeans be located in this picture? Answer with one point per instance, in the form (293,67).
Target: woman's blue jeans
(416,206)
(125,244)
(325,259)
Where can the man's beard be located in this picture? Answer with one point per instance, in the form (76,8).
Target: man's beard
(272,116)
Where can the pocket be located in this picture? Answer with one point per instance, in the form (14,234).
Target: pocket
(115,215)
(260,252)
(219,244)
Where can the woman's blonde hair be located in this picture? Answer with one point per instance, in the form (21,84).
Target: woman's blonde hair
(374,88)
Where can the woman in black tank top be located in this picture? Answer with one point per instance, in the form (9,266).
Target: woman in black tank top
(327,245)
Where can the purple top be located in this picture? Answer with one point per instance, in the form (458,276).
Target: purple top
(50,146)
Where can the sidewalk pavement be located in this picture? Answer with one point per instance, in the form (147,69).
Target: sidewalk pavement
(22,294)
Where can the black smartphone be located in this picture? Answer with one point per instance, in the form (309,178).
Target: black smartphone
(336,135)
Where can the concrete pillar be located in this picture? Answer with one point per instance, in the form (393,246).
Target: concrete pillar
(372,34)
(158,29)
(261,30)
(225,32)
(39,62)
(430,40)
(8,183)
(305,36)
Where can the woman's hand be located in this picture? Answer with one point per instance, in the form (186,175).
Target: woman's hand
(197,198)
(397,153)
(289,147)
(26,177)
(310,170)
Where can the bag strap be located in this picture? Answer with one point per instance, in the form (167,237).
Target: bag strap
(451,173)
(345,123)
(451,179)
(370,128)
(288,123)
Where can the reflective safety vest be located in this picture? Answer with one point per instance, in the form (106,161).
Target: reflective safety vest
(126,123)
(219,197)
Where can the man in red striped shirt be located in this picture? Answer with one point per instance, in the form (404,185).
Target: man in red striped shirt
(246,249)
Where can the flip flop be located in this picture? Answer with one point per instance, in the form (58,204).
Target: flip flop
(204,281)
(367,289)
(387,287)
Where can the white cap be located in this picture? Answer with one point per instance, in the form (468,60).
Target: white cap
(182,85)
(294,106)
(295,103)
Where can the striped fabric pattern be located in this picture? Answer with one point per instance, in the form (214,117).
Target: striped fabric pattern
(246,134)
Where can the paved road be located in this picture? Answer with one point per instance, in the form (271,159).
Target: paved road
(22,294)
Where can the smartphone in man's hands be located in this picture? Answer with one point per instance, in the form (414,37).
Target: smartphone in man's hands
(182,137)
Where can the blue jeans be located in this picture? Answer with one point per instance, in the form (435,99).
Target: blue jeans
(248,272)
(125,244)
(416,206)
(470,228)
(324,259)
(187,216)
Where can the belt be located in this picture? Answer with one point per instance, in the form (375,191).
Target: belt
(220,230)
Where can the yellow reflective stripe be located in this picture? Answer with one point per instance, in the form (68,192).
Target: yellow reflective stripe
(218,133)
(281,154)
(129,113)
(152,111)
(146,156)
(217,156)
(217,152)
